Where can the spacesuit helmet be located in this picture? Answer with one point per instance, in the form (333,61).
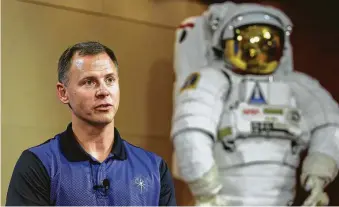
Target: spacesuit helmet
(253,43)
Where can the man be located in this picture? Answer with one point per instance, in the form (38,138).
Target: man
(242,115)
(89,163)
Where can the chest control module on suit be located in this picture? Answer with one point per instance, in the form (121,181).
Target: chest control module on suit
(264,109)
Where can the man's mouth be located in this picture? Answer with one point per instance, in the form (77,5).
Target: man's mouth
(104,107)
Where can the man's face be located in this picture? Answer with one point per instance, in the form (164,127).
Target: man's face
(93,89)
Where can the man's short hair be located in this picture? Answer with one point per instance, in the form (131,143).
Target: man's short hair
(83,49)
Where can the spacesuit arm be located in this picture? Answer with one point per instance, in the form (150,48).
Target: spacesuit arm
(321,161)
(195,162)
(197,112)
(322,116)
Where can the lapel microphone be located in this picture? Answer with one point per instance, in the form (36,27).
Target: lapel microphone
(105,184)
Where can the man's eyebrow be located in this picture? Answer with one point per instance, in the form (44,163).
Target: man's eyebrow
(94,77)
(87,77)
(111,74)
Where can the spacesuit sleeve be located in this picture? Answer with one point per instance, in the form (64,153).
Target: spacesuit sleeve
(197,112)
(321,113)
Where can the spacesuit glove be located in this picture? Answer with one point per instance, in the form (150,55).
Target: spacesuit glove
(211,200)
(318,197)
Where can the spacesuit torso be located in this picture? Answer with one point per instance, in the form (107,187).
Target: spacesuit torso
(260,136)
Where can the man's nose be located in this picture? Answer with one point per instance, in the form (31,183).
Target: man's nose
(102,90)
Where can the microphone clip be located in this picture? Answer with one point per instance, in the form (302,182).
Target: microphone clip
(105,185)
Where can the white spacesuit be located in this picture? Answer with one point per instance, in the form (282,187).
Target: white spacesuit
(242,115)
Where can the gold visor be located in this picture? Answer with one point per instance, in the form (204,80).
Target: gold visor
(255,49)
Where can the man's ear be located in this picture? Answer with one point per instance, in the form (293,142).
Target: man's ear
(62,93)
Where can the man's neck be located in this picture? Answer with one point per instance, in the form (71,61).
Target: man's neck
(96,140)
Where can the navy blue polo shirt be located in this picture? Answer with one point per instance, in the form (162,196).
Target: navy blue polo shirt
(60,172)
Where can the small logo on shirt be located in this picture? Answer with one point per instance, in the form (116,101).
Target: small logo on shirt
(142,183)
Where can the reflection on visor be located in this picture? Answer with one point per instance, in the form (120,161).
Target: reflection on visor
(255,49)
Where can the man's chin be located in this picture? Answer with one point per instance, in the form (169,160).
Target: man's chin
(102,121)
(97,119)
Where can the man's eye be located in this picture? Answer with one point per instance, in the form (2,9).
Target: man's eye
(89,82)
(110,80)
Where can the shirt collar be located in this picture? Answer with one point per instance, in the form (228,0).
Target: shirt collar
(75,153)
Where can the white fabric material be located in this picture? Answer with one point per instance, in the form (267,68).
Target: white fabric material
(319,165)
(188,49)
(325,140)
(208,185)
(194,154)
(200,108)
